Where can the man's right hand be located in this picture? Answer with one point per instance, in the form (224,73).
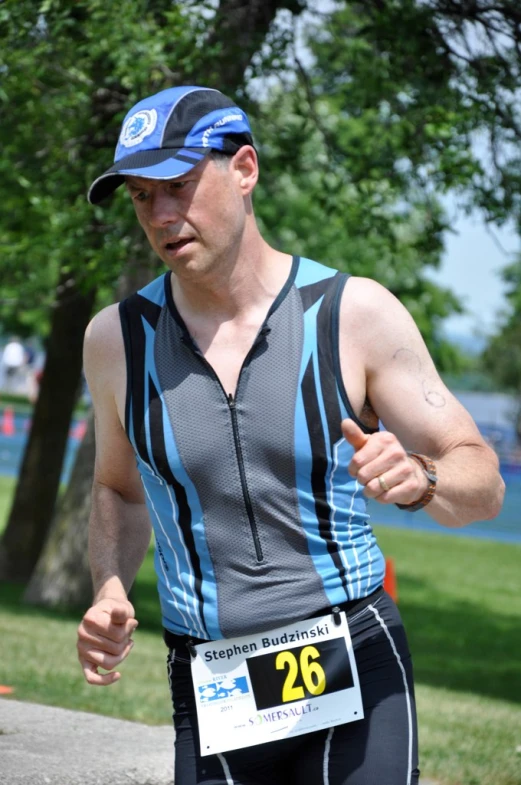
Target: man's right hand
(105,639)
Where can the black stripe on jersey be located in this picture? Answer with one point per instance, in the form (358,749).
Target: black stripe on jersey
(313,292)
(149,310)
(326,365)
(319,469)
(134,308)
(157,439)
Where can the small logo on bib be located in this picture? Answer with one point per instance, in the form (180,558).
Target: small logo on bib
(137,127)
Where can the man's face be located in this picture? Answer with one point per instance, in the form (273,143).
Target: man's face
(192,221)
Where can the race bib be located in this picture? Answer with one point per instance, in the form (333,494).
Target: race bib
(273,685)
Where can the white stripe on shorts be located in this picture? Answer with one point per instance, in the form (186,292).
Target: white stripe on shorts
(226,769)
(406,686)
(327,748)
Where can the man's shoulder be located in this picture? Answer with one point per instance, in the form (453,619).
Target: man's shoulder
(103,335)
(106,318)
(368,296)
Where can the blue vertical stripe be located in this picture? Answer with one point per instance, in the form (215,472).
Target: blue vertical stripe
(177,593)
(316,543)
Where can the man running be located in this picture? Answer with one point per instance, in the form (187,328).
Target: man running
(238,399)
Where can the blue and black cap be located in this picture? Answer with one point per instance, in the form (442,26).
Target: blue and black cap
(168,133)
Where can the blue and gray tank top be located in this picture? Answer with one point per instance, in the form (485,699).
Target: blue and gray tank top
(257,522)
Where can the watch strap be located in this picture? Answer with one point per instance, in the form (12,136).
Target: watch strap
(429,469)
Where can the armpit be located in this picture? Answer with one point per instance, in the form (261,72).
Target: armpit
(368,415)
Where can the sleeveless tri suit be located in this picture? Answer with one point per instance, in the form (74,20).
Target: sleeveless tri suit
(256,519)
(257,522)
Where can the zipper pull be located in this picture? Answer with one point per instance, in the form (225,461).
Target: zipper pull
(191,648)
(231,401)
(336,615)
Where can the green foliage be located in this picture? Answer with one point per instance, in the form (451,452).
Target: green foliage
(431,78)
(312,201)
(502,357)
(352,158)
(411,99)
(70,72)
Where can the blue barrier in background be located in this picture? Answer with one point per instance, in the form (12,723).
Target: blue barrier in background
(14,430)
(505,528)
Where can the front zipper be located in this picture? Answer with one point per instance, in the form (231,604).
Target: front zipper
(244,484)
(187,339)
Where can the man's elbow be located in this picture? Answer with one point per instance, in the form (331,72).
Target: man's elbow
(486,508)
(495,501)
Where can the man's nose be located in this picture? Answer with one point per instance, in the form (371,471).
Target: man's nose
(163,209)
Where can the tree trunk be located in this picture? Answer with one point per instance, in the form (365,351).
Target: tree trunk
(39,478)
(62,575)
(241,26)
(239,30)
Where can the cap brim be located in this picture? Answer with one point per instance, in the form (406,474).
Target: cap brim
(155,164)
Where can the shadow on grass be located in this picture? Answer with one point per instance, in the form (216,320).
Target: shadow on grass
(146,603)
(143,596)
(456,645)
(11,602)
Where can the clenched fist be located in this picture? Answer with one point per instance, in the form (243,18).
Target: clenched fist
(105,639)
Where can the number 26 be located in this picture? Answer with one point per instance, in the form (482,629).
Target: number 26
(312,673)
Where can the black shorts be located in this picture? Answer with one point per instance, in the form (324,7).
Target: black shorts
(381,749)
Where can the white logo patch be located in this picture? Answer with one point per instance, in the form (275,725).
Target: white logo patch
(228,119)
(137,127)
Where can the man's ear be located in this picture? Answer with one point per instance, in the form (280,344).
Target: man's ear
(246,167)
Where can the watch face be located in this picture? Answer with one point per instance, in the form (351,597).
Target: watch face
(430,476)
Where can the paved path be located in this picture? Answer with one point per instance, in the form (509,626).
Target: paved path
(43,745)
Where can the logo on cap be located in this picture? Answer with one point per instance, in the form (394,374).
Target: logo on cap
(137,127)
(230,118)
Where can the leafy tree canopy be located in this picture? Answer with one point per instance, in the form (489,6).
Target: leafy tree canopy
(399,90)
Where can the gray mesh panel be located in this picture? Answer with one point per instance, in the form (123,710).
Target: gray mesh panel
(252,595)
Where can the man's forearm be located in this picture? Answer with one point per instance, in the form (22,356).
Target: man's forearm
(469,487)
(119,536)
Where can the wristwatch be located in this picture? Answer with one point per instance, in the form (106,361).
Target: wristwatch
(429,469)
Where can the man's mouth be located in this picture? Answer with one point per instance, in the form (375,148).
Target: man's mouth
(176,245)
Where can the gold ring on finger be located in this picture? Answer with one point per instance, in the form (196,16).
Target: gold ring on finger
(383,484)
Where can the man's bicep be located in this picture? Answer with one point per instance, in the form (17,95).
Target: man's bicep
(104,363)
(418,408)
(402,383)
(115,465)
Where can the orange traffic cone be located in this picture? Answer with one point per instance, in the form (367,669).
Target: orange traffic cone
(390,583)
(8,427)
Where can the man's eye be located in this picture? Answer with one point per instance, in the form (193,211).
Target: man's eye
(140,196)
(177,184)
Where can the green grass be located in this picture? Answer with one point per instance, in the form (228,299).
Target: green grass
(38,659)
(460,600)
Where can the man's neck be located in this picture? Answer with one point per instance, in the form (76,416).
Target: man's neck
(250,285)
